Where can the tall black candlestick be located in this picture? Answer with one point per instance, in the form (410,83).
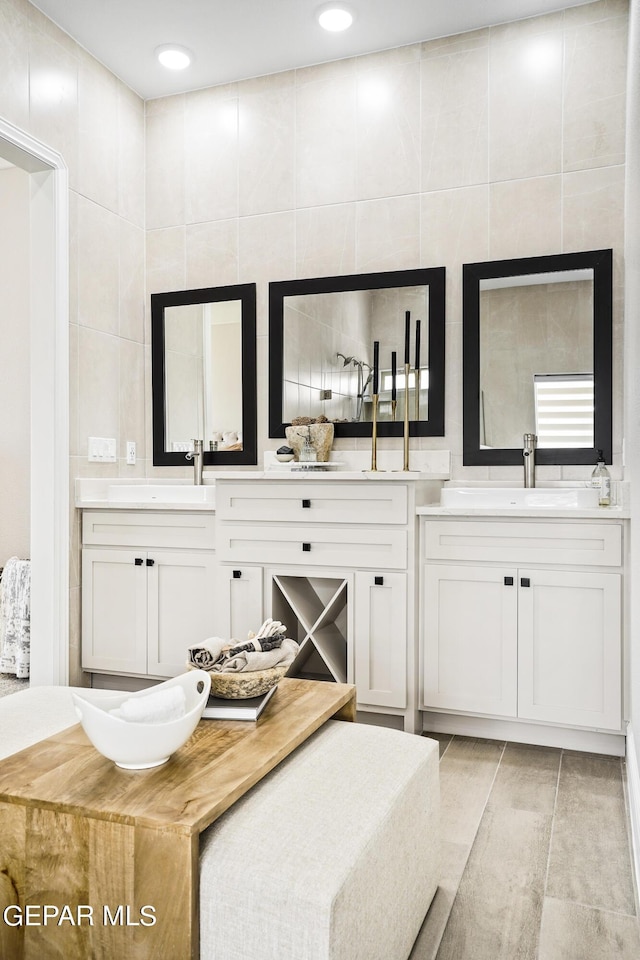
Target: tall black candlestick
(407,317)
(393,374)
(417,364)
(376,350)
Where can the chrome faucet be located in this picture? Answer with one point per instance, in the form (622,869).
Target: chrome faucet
(197,456)
(529,455)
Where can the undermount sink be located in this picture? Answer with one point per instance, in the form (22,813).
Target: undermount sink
(161,492)
(559,498)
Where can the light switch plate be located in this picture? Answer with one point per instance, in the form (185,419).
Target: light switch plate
(102,450)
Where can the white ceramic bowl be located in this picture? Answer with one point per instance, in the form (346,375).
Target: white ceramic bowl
(136,746)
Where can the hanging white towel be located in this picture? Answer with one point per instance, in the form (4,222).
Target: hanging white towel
(15,617)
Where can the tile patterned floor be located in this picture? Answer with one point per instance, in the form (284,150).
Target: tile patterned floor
(536,861)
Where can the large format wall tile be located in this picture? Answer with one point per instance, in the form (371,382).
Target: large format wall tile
(211,154)
(525,103)
(326,139)
(454,112)
(266,144)
(326,240)
(98,267)
(165,162)
(388,127)
(594,99)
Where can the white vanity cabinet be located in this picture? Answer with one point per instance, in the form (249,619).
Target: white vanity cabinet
(522,619)
(334,560)
(148,584)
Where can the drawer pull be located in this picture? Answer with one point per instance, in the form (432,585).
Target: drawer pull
(508,581)
(525,582)
(306,503)
(379,581)
(150,563)
(237,574)
(138,561)
(306,547)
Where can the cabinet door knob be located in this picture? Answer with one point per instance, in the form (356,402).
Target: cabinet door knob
(306,547)
(525,582)
(508,581)
(150,563)
(237,574)
(138,561)
(379,581)
(306,503)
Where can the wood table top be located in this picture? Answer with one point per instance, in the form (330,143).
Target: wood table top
(217,765)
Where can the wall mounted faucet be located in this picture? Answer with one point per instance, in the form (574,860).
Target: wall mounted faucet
(197,456)
(529,455)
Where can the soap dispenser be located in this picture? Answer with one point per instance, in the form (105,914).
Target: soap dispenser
(601,479)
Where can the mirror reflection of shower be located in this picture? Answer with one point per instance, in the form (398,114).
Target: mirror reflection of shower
(363,382)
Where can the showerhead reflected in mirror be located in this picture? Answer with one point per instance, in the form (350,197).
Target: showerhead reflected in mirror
(321,339)
(203,365)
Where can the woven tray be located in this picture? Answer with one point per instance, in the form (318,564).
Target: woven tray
(241,686)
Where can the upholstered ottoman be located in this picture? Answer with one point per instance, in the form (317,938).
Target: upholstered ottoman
(34,714)
(332,856)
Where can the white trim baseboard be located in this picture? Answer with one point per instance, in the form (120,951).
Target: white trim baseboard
(517,731)
(633,793)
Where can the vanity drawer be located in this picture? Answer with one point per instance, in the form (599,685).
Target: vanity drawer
(120,528)
(588,544)
(338,546)
(308,502)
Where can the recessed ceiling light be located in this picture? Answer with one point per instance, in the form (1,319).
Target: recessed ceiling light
(335,17)
(173,56)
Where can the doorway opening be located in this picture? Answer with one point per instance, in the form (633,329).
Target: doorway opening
(49,400)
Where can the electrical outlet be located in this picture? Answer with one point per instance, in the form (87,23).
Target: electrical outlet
(102,450)
(131,451)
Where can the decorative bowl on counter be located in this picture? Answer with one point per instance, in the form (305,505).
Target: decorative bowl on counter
(241,686)
(142,729)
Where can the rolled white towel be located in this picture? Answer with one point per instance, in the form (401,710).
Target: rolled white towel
(204,655)
(159,706)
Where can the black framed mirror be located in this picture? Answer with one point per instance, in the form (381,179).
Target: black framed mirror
(203,367)
(537,358)
(321,336)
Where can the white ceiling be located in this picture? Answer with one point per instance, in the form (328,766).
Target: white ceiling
(236,39)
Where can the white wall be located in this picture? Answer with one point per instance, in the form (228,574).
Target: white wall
(15,401)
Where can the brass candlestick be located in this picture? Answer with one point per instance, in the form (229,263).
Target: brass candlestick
(374,433)
(417,392)
(407,369)
(394,404)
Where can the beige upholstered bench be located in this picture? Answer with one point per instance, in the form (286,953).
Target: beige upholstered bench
(332,856)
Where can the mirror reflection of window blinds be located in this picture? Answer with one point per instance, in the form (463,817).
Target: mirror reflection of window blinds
(564,409)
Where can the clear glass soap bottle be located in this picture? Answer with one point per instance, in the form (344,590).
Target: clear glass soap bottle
(601,478)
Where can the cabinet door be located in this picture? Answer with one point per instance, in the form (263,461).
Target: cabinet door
(181,608)
(114,610)
(469,620)
(240,600)
(569,636)
(380,638)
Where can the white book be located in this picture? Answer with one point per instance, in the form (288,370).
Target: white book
(219,708)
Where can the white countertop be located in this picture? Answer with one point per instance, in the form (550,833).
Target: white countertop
(536,513)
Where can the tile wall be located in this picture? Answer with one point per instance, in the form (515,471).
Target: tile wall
(505,142)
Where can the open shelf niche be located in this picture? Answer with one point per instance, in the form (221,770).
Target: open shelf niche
(314,610)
